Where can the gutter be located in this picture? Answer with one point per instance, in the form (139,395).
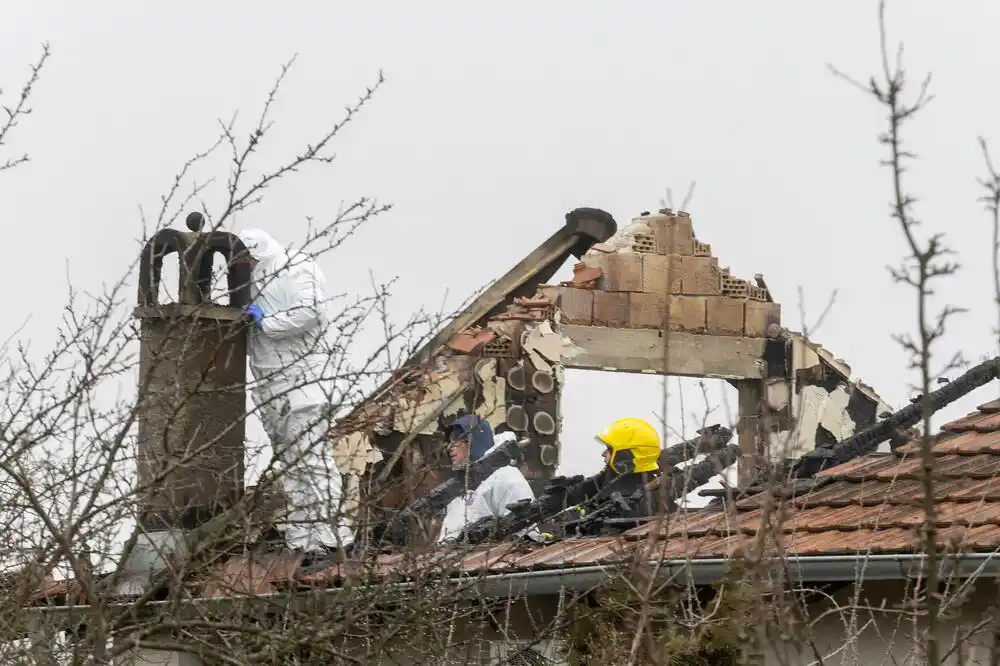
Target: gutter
(804,569)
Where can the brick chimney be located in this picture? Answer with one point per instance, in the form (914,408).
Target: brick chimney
(192,377)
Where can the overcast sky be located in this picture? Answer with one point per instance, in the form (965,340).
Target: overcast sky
(493,123)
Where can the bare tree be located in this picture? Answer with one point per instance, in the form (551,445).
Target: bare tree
(928,260)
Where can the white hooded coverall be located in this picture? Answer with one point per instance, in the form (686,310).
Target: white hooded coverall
(504,486)
(287,360)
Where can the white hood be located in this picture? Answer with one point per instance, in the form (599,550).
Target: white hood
(268,252)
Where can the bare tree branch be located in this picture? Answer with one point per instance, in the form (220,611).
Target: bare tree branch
(17,112)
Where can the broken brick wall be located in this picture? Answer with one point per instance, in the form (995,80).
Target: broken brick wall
(656,274)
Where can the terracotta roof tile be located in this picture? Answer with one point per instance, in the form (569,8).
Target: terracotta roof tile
(945,466)
(898,491)
(965,441)
(859,468)
(978,421)
(245,575)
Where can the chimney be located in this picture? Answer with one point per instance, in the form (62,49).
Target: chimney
(192,381)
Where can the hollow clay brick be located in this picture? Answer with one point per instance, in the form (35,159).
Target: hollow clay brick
(686,313)
(611,309)
(758,316)
(673,235)
(657,270)
(647,310)
(696,276)
(622,271)
(576,305)
(724,315)
(700,276)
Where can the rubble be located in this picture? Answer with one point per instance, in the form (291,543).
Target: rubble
(584,276)
(472,339)
(820,404)
(353,455)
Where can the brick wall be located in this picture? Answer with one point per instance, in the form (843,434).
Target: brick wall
(665,278)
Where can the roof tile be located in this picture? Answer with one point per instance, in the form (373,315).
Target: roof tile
(965,441)
(978,421)
(859,468)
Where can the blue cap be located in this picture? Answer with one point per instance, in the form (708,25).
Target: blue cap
(478,431)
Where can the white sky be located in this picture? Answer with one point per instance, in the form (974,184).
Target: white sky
(494,122)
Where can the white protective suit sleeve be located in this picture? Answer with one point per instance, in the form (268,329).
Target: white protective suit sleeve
(291,286)
(514,488)
(509,487)
(305,299)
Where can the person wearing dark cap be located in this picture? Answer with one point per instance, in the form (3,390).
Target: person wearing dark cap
(469,439)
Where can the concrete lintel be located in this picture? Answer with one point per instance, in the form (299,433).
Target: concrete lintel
(642,350)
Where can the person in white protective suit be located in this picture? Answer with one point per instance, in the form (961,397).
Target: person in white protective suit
(287,359)
(471,438)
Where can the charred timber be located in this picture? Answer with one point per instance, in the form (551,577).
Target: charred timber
(588,493)
(711,439)
(678,483)
(868,439)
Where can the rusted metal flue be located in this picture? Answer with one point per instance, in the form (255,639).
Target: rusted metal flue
(192,377)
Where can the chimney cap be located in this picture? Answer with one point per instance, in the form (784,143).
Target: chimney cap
(195,221)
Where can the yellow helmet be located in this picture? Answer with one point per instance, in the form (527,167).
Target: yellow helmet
(634,444)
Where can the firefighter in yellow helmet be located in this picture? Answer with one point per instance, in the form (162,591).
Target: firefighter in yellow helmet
(632,449)
(631,446)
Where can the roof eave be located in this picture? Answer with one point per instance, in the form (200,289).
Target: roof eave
(704,571)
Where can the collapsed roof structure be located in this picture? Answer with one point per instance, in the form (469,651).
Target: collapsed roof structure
(650,298)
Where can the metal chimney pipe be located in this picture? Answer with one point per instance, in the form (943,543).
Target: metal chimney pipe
(192,381)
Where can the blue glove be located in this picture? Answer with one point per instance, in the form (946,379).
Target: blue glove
(255,312)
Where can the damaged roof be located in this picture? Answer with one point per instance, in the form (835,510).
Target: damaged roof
(873,504)
(870,505)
